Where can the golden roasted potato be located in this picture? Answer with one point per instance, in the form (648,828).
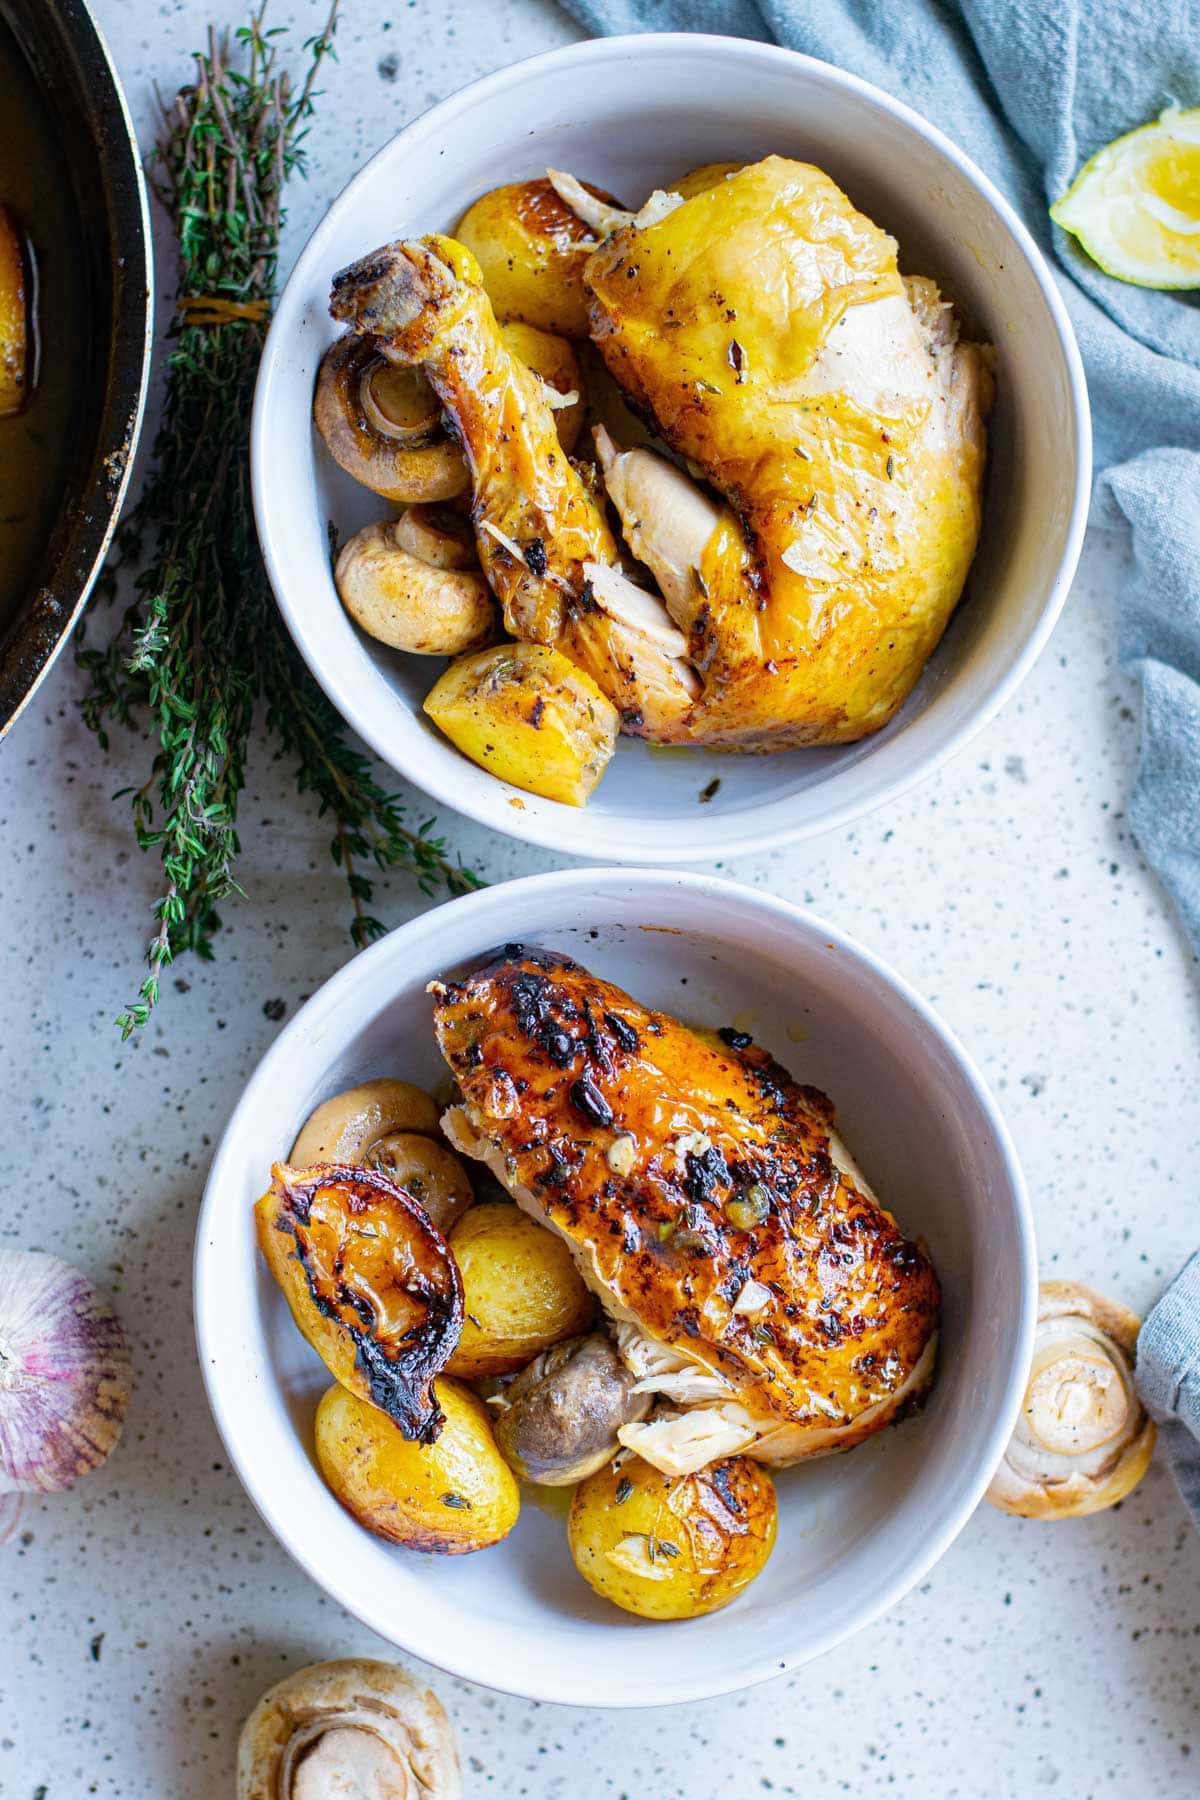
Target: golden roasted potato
(14,324)
(344,1128)
(384,425)
(521,1290)
(697,181)
(455,1495)
(532,248)
(554,360)
(527,714)
(426,1170)
(672,1546)
(368,1280)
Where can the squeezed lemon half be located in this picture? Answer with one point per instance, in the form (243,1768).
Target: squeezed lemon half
(1135,207)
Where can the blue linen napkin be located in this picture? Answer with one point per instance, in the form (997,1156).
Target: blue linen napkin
(1031,89)
(1168,1378)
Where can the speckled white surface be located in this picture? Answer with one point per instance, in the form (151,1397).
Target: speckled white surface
(143,1613)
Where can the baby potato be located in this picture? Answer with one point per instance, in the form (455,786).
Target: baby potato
(521,1290)
(426,1170)
(554,360)
(532,248)
(672,1546)
(453,1496)
(528,715)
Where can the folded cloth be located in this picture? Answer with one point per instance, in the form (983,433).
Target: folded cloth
(1168,1378)
(1032,89)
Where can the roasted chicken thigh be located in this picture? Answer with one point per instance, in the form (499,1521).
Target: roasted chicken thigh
(754,1282)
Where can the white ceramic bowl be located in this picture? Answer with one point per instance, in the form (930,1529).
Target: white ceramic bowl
(633,113)
(855,1531)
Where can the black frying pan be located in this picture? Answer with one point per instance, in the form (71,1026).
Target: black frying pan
(55,45)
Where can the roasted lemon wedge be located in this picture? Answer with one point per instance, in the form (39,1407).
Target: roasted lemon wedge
(1135,207)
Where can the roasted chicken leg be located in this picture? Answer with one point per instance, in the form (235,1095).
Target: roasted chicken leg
(755,1283)
(543,540)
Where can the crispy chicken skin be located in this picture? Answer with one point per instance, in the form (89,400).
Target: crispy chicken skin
(697,1186)
(766,329)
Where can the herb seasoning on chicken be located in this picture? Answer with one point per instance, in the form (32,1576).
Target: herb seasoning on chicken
(756,1285)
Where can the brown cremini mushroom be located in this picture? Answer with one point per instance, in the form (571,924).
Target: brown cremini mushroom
(557,1422)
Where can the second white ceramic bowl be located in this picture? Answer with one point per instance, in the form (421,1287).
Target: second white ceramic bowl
(634,113)
(855,1531)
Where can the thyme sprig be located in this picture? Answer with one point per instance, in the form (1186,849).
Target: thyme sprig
(202,644)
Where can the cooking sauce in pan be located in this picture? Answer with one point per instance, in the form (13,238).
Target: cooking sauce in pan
(37,445)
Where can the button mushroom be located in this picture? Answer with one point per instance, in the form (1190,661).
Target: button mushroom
(344,1128)
(357,1729)
(1083,1440)
(558,1420)
(384,425)
(404,599)
(391,1126)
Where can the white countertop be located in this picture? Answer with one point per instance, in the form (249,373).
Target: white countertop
(144,1612)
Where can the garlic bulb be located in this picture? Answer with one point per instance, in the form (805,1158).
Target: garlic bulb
(352,1730)
(1083,1440)
(64,1374)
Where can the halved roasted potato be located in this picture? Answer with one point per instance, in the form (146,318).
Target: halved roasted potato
(14,319)
(672,1546)
(532,248)
(521,1290)
(527,714)
(452,1496)
(370,1283)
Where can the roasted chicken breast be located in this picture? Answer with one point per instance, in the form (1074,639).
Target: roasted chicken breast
(754,1281)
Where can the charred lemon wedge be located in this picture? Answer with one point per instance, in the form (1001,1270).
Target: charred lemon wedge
(1135,207)
(370,1282)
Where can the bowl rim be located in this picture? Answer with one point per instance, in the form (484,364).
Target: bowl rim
(742,831)
(357,985)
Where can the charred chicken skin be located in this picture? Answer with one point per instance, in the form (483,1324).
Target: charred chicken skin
(755,1284)
(808,555)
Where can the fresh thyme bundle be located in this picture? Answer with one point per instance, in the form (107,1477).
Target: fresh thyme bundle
(202,642)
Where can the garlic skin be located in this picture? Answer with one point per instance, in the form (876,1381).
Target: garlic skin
(1083,1440)
(64,1374)
(348,1730)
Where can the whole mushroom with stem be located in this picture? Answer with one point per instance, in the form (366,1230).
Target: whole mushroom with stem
(1083,1439)
(348,1730)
